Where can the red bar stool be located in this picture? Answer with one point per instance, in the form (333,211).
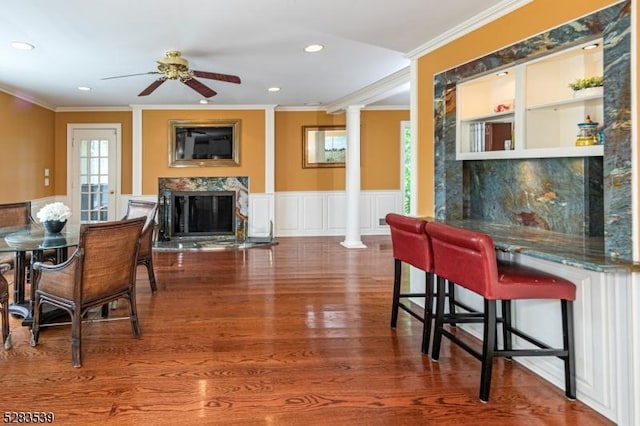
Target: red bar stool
(468,259)
(411,245)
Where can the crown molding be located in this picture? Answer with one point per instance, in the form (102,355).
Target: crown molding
(314,108)
(491,14)
(381,89)
(387,108)
(26,99)
(93,109)
(199,107)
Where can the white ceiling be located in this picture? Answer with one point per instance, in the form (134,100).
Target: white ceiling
(79,42)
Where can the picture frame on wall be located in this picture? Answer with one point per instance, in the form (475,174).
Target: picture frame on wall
(324,146)
(204,143)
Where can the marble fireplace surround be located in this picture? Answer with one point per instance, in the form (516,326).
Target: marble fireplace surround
(168,185)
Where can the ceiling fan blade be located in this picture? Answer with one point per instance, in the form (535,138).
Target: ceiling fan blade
(153,86)
(131,75)
(216,76)
(200,88)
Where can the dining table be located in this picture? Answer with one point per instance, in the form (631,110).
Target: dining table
(35,240)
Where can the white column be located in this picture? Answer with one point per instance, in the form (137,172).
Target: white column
(269,150)
(267,218)
(352,165)
(136,154)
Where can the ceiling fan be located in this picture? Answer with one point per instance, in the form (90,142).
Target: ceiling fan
(174,67)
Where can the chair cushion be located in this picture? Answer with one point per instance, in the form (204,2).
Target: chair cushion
(521,282)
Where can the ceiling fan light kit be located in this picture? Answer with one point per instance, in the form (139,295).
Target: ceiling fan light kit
(174,67)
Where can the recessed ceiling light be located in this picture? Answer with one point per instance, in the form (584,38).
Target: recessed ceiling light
(273,89)
(84,88)
(22,45)
(591,46)
(502,73)
(204,101)
(313,48)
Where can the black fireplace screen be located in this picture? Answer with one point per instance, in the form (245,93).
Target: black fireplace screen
(203,213)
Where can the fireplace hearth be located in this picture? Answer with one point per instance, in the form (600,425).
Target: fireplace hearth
(197,207)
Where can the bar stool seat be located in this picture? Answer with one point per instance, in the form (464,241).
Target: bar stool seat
(468,259)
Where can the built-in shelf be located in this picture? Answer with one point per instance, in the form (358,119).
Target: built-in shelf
(496,116)
(577,151)
(531,106)
(567,103)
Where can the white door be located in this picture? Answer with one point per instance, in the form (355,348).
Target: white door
(407,167)
(94,172)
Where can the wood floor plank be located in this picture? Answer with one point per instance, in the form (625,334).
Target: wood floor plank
(295,334)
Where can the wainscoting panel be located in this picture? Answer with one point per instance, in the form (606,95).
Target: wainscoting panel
(336,217)
(324,213)
(310,213)
(261,215)
(366,213)
(383,204)
(287,208)
(312,203)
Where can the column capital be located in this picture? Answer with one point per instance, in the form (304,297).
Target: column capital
(355,107)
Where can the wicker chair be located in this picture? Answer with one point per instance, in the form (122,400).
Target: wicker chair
(4,306)
(100,271)
(146,209)
(14,214)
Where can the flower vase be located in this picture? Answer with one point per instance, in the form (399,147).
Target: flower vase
(54,226)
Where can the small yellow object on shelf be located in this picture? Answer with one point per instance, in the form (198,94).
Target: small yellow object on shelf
(588,133)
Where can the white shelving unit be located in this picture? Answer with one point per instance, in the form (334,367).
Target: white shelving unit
(533,99)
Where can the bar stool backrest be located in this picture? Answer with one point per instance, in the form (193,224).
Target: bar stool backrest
(410,242)
(464,257)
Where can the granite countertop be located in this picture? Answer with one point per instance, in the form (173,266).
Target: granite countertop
(581,252)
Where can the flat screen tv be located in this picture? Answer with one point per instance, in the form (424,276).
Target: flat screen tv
(204,143)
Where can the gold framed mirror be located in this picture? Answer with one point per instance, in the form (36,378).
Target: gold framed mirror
(323,146)
(204,143)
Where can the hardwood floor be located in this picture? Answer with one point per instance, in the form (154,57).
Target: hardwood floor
(295,334)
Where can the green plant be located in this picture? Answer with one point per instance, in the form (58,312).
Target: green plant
(585,83)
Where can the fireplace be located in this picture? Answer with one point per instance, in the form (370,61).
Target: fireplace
(203,207)
(203,213)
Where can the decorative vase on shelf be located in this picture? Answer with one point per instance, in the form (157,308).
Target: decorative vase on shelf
(587,133)
(54,226)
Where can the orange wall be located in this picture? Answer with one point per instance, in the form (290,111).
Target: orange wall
(35,138)
(155,147)
(64,118)
(379,151)
(534,18)
(26,149)
(380,148)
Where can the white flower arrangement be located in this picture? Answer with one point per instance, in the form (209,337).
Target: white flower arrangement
(54,211)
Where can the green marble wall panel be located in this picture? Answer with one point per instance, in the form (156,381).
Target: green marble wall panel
(453,195)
